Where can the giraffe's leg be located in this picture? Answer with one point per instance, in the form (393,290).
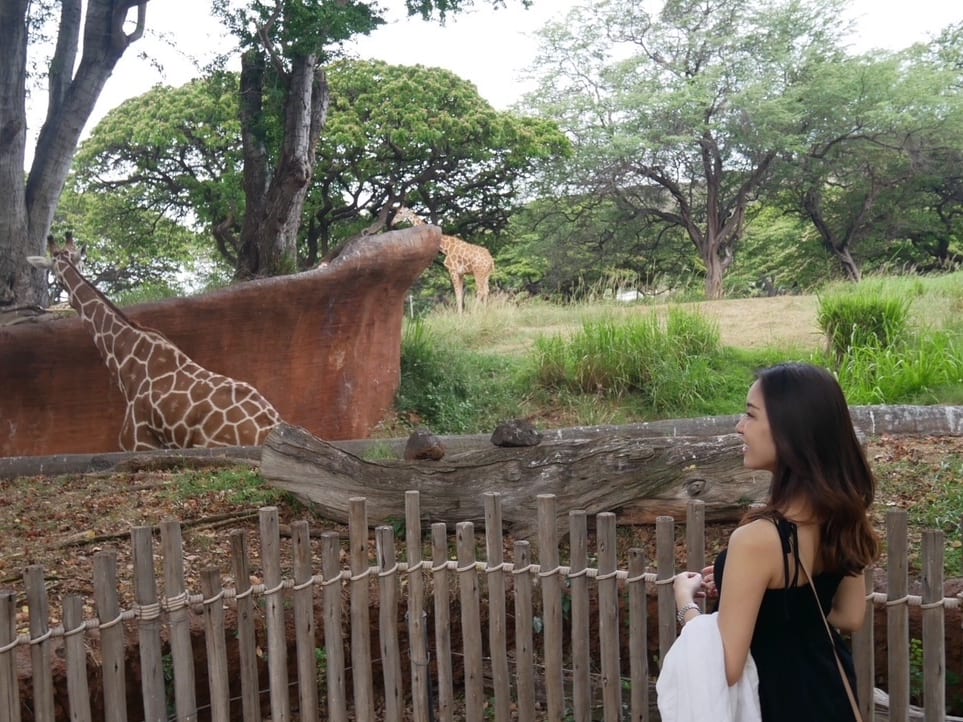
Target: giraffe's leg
(481,280)
(458,281)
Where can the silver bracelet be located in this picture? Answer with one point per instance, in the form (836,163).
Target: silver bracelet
(685,609)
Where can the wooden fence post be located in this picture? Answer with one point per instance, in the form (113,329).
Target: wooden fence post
(471,638)
(897,616)
(78,687)
(497,618)
(111,636)
(9,687)
(665,559)
(638,636)
(934,641)
(333,636)
(551,603)
(387,623)
(864,653)
(361,678)
(218,674)
(524,645)
(695,539)
(441,584)
(148,625)
(306,635)
(277,644)
(246,632)
(40,656)
(581,624)
(609,616)
(417,628)
(179,622)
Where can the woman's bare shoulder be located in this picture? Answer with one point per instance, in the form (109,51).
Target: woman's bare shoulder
(758,536)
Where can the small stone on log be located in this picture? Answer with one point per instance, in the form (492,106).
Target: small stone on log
(517,432)
(422,445)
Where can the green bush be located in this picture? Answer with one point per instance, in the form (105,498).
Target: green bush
(861,319)
(666,364)
(450,389)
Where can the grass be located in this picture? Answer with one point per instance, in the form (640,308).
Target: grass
(610,363)
(236,485)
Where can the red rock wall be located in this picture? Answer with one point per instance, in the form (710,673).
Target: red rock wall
(323,346)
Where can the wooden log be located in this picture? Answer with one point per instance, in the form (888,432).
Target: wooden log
(639,479)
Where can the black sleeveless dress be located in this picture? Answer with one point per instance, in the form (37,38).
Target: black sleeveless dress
(799,680)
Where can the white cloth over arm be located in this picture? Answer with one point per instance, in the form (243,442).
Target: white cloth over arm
(692,685)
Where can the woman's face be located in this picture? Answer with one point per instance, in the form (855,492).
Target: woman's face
(758,450)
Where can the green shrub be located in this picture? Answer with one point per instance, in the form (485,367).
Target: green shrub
(861,319)
(665,364)
(452,390)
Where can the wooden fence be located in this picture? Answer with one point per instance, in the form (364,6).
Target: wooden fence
(443,649)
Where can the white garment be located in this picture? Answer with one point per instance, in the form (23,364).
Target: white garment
(692,685)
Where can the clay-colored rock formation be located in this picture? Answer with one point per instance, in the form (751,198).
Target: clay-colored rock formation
(323,346)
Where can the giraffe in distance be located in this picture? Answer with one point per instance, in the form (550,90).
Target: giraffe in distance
(461,259)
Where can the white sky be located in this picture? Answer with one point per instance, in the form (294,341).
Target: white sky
(489,47)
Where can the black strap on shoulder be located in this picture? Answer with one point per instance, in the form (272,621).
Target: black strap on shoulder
(789,537)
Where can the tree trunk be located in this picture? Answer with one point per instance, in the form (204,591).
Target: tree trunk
(27,206)
(275,202)
(638,478)
(18,285)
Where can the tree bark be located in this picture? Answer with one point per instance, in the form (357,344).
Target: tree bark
(639,479)
(27,205)
(274,201)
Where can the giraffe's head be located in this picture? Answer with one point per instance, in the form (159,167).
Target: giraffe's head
(70,251)
(405,215)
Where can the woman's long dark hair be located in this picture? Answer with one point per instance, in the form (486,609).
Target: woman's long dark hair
(819,461)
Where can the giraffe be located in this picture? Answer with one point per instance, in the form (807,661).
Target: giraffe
(461,259)
(172,402)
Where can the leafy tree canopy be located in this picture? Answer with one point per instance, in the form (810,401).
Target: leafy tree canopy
(394,133)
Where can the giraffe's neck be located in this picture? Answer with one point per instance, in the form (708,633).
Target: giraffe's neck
(127,349)
(448,244)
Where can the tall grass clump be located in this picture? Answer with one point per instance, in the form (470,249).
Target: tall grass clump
(450,389)
(665,363)
(862,319)
(921,369)
(879,358)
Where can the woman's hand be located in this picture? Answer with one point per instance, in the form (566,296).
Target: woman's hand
(687,586)
(709,583)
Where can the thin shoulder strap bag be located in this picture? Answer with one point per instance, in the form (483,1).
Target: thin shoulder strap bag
(832,643)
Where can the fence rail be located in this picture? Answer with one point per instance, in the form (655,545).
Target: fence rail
(455,637)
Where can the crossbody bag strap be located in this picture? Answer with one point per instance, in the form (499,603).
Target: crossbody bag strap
(832,643)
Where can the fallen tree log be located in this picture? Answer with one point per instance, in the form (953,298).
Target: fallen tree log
(637,478)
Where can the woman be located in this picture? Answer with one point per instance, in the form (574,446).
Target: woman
(797,426)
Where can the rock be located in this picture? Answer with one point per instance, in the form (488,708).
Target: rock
(323,346)
(423,445)
(517,432)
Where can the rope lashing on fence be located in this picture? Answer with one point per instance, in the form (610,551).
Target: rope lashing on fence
(153,611)
(915,600)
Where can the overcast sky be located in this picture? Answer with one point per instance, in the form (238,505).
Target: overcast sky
(489,47)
